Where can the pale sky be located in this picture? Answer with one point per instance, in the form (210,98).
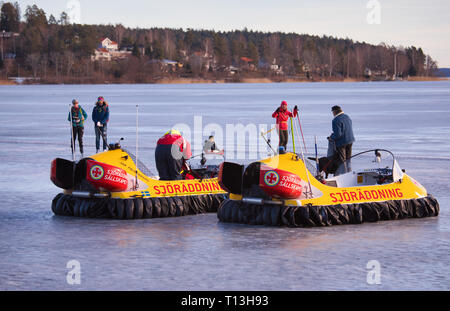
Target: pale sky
(422,23)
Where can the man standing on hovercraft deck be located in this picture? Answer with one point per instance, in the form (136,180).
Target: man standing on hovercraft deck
(171,154)
(343,139)
(282,116)
(100,116)
(77,115)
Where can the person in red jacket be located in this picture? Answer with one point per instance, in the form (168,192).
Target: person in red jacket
(282,115)
(171,154)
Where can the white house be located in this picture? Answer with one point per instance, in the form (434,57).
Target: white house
(108,50)
(108,44)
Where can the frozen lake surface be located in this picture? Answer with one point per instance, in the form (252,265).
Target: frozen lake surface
(412,119)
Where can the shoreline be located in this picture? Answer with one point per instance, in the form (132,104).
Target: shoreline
(240,81)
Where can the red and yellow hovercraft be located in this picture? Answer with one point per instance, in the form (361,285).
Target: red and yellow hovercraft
(281,190)
(113,184)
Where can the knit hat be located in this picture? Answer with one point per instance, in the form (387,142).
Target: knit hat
(336,109)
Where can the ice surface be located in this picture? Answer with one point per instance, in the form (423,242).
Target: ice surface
(197,252)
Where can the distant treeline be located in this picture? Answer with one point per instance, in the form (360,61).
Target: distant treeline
(54,50)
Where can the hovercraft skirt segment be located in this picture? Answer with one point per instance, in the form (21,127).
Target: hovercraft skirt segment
(315,216)
(136,208)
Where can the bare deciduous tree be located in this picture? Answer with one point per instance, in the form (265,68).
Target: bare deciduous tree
(33,62)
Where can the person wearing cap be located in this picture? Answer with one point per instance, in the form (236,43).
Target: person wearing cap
(282,115)
(100,116)
(343,139)
(172,152)
(77,115)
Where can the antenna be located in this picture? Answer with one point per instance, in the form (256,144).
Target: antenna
(136,185)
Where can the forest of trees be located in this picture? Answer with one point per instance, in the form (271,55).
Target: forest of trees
(53,50)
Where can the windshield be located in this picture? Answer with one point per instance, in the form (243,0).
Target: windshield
(380,163)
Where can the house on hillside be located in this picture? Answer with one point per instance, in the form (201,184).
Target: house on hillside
(247,63)
(108,44)
(108,50)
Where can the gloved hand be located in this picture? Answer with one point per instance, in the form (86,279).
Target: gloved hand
(99,124)
(296,108)
(278,109)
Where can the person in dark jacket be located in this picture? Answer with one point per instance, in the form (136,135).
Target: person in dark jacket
(282,115)
(100,116)
(210,145)
(342,138)
(77,115)
(171,154)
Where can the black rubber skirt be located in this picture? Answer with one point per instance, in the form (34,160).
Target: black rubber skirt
(316,216)
(138,208)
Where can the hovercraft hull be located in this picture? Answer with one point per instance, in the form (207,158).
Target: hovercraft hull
(109,185)
(252,200)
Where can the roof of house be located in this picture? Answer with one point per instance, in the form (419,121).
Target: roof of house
(246,59)
(112,42)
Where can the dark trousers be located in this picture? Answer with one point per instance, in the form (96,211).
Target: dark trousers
(98,132)
(77,131)
(343,155)
(168,167)
(284,137)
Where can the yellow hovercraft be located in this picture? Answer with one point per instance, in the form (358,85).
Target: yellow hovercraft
(110,185)
(281,191)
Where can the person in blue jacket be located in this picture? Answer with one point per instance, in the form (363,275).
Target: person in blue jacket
(100,116)
(77,115)
(342,138)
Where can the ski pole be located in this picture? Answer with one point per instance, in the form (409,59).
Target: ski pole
(72,140)
(306,169)
(303,137)
(317,157)
(268,142)
(292,132)
(268,131)
(103,136)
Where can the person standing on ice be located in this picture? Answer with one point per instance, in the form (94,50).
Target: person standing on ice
(342,138)
(100,116)
(172,152)
(77,115)
(282,115)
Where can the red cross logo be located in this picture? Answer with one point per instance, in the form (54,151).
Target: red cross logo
(96,172)
(271,178)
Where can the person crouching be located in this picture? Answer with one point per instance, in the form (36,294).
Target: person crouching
(172,152)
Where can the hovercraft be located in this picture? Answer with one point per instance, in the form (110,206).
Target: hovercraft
(112,185)
(282,191)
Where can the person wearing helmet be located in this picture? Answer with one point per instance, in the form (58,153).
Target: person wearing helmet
(172,152)
(282,115)
(77,115)
(100,116)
